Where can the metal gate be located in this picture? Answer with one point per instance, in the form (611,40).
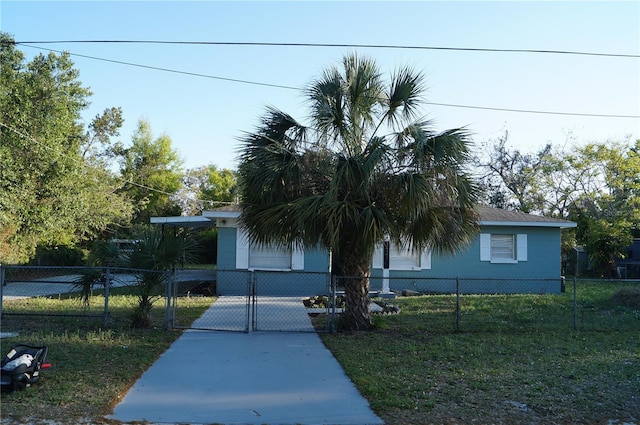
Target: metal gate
(268,301)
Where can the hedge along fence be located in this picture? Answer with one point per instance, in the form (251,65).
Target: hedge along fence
(28,290)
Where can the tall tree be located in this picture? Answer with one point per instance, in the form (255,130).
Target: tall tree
(153,172)
(607,208)
(49,193)
(510,178)
(366,168)
(205,187)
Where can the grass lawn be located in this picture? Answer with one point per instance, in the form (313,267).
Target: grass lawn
(91,368)
(517,359)
(522,365)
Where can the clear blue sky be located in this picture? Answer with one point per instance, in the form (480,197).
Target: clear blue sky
(204,117)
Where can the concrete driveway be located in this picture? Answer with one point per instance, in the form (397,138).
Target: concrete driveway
(273,378)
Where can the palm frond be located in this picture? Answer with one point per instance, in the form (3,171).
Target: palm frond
(364,88)
(342,184)
(405,96)
(327,106)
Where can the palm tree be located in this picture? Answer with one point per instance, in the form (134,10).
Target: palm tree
(153,256)
(366,169)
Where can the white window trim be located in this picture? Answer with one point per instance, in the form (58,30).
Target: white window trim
(242,255)
(520,245)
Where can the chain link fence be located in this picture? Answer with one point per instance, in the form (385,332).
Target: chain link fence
(246,301)
(70,294)
(265,301)
(481,304)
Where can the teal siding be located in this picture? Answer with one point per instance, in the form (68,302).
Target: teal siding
(543,252)
(316,260)
(226,248)
(310,281)
(540,273)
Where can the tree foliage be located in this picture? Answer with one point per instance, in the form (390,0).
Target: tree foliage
(152,170)
(607,209)
(51,192)
(366,168)
(510,178)
(596,185)
(206,187)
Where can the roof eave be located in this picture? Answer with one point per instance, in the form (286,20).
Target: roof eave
(221,214)
(562,225)
(187,221)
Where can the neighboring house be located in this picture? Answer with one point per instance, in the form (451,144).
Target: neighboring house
(629,266)
(625,268)
(513,253)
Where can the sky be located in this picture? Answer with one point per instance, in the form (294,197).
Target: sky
(205,115)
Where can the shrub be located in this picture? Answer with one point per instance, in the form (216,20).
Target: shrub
(59,255)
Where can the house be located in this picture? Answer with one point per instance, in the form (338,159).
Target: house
(627,267)
(513,253)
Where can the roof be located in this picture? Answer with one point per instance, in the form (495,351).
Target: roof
(227,211)
(184,221)
(490,216)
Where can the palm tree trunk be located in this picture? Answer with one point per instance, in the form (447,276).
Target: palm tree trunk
(357,315)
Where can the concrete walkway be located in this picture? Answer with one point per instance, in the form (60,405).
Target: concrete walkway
(245,378)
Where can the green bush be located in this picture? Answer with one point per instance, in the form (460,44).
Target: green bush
(59,255)
(207,241)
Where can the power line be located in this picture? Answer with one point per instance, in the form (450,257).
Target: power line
(34,140)
(156,68)
(529,111)
(340,45)
(235,80)
(202,202)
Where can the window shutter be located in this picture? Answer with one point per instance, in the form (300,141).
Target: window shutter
(521,247)
(485,247)
(242,249)
(425,259)
(297,258)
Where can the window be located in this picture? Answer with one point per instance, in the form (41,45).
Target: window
(249,256)
(269,257)
(402,259)
(503,248)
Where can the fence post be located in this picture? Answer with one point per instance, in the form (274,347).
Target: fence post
(174,304)
(107,286)
(250,300)
(457,304)
(334,289)
(575,304)
(2,276)
(169,292)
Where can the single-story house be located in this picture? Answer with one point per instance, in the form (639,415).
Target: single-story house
(627,267)
(513,253)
